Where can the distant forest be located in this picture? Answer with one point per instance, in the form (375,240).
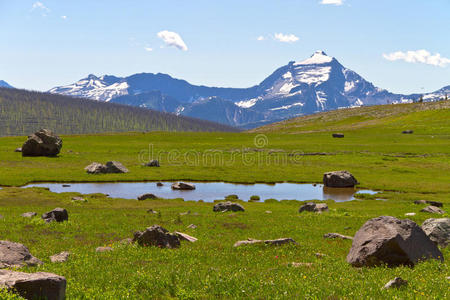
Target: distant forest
(24,112)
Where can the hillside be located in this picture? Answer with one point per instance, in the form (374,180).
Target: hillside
(23,112)
(427,117)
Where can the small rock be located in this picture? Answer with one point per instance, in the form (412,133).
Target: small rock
(183,186)
(66,185)
(338,135)
(407,131)
(96,168)
(339,179)
(347,228)
(397,282)
(38,285)
(60,257)
(300,264)
(126,241)
(410,214)
(79,199)
(319,255)
(268,212)
(156,236)
(103,249)
(336,236)
(276,242)
(146,196)
(314,207)
(15,255)
(152,163)
(438,230)
(30,214)
(433,210)
(185,213)
(185,237)
(159,184)
(228,206)
(115,167)
(58,215)
(433,203)
(151,211)
(18,150)
(192,226)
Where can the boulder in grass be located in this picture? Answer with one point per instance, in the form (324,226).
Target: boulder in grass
(115,167)
(339,179)
(103,249)
(228,206)
(57,215)
(42,143)
(38,285)
(407,131)
(438,230)
(185,237)
(397,282)
(338,135)
(433,210)
(156,236)
(433,203)
(183,186)
(391,241)
(277,242)
(96,168)
(146,196)
(15,255)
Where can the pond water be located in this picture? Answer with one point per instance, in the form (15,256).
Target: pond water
(210,191)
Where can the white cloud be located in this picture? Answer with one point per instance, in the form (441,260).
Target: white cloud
(39,5)
(64,17)
(418,56)
(172,39)
(148,49)
(286,38)
(333,2)
(260,38)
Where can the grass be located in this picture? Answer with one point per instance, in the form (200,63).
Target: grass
(404,167)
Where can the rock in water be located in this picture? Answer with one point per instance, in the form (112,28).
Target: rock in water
(96,168)
(42,143)
(339,179)
(15,255)
(156,236)
(146,196)
(314,207)
(338,135)
(183,186)
(397,282)
(433,210)
(115,167)
(228,206)
(38,285)
(388,240)
(58,215)
(438,230)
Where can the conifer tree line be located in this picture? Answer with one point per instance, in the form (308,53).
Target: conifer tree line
(24,112)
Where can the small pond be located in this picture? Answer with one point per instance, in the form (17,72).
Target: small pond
(210,191)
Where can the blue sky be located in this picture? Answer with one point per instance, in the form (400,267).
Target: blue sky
(232,43)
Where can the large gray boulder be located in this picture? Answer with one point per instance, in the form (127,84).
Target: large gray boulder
(96,168)
(38,285)
(228,206)
(156,236)
(60,257)
(15,255)
(339,179)
(58,215)
(433,210)
(438,230)
(115,167)
(388,240)
(183,186)
(42,143)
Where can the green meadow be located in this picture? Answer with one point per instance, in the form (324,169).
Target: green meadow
(401,167)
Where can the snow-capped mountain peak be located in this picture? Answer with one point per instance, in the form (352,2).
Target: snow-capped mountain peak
(319,57)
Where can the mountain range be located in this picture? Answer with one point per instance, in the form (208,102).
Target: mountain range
(4,84)
(319,83)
